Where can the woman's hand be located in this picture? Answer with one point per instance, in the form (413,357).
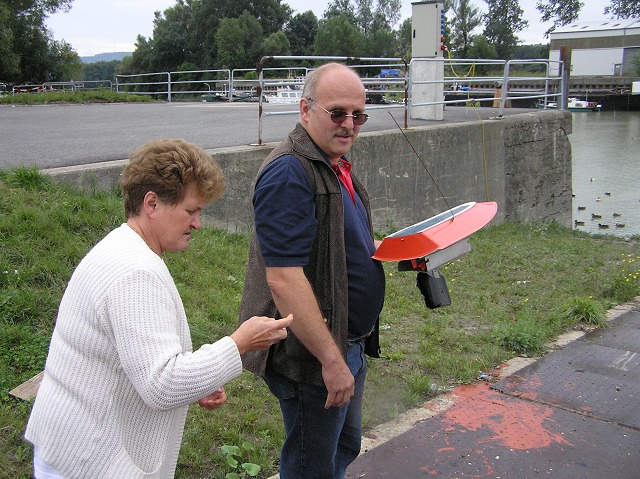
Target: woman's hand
(260,332)
(214,400)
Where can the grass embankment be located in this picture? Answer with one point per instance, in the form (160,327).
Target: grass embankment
(517,289)
(80,97)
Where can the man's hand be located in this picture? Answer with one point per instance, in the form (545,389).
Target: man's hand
(260,332)
(340,383)
(214,400)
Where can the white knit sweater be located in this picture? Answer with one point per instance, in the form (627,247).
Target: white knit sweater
(121,372)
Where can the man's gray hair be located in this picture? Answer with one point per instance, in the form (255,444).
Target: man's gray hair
(313,77)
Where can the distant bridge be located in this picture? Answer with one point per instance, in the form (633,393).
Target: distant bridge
(613,93)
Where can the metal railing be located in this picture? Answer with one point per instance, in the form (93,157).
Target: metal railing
(192,82)
(473,86)
(78,85)
(132,83)
(479,82)
(499,90)
(298,83)
(62,86)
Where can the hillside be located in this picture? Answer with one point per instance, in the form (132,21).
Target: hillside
(105,57)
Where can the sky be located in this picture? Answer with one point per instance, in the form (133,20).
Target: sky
(106,26)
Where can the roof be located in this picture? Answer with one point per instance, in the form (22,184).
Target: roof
(611,26)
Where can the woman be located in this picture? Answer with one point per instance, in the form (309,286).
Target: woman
(121,372)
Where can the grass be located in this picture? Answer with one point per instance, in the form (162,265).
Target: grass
(88,96)
(521,286)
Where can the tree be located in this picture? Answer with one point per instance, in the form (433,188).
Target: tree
(532,51)
(207,14)
(186,33)
(253,40)
(65,63)
(25,40)
(370,29)
(239,41)
(9,57)
(623,8)
(502,22)
(404,41)
(381,43)
(276,44)
(362,14)
(301,32)
(339,8)
(171,37)
(390,10)
(229,39)
(481,48)
(466,17)
(100,70)
(140,59)
(561,12)
(340,37)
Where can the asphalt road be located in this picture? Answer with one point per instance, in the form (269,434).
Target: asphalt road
(49,136)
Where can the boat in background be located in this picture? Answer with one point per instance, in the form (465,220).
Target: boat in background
(573,104)
(285,95)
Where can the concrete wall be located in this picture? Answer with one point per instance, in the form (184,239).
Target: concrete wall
(523,162)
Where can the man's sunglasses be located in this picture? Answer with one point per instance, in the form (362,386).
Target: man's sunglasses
(339,116)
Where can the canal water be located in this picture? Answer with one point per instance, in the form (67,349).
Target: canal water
(606,172)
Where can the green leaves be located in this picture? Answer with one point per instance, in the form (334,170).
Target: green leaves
(232,452)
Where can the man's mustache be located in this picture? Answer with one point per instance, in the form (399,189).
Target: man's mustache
(344,132)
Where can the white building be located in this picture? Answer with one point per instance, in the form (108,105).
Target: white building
(607,48)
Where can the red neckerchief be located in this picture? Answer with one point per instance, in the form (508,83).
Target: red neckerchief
(343,171)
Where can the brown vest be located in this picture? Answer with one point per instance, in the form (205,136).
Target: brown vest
(326,270)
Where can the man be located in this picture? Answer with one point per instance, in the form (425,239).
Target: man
(311,257)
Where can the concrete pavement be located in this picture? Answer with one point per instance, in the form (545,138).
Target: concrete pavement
(52,136)
(571,414)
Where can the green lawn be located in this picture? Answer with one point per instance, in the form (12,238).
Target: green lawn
(521,286)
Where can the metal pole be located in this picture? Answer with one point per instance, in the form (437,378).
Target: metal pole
(565,57)
(260,68)
(406,95)
(169,86)
(505,84)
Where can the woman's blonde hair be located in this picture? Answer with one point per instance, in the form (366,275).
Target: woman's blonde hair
(168,167)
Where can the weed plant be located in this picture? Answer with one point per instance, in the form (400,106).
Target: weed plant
(519,288)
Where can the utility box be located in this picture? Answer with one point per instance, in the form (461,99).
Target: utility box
(427,24)
(427,65)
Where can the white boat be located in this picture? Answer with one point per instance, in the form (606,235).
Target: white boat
(573,104)
(285,95)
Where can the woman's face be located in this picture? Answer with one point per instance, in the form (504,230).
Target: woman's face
(173,224)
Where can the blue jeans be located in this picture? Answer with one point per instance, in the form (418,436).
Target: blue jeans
(320,443)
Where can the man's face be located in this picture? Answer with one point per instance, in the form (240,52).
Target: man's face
(338,89)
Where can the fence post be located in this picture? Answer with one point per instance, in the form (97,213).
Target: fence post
(504,88)
(260,68)
(565,58)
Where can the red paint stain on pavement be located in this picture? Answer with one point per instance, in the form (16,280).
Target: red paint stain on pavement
(521,426)
(524,385)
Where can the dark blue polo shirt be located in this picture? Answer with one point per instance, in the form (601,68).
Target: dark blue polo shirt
(284,209)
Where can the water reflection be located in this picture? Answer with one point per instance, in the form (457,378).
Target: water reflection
(606,172)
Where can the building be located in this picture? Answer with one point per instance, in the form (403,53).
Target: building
(605,48)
